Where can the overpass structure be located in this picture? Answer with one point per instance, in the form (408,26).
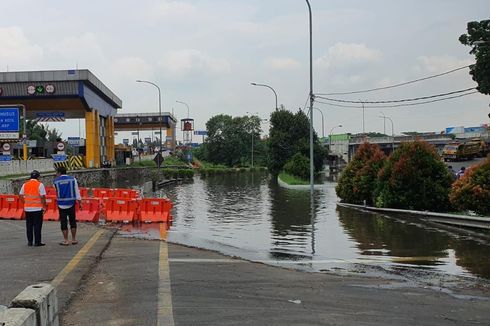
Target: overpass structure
(149,121)
(67,94)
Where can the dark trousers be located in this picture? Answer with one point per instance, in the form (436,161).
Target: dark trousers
(68,214)
(34,224)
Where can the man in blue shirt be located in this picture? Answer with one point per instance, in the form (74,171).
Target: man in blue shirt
(67,195)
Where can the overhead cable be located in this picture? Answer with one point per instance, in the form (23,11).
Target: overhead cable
(396,85)
(395,105)
(398,101)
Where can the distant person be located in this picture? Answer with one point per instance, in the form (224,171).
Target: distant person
(461,172)
(453,173)
(33,195)
(67,195)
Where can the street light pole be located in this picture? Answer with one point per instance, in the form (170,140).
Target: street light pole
(330,135)
(160,118)
(392,132)
(323,122)
(312,99)
(363,129)
(269,87)
(185,105)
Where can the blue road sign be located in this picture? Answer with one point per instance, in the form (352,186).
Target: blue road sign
(200,133)
(5,158)
(59,157)
(9,119)
(126,141)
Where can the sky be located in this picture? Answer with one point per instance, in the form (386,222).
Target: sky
(207,52)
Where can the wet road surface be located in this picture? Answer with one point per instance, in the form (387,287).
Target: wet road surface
(123,280)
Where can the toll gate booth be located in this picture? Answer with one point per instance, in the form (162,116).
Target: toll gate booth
(67,94)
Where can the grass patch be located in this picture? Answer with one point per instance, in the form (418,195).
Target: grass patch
(292,180)
(173,161)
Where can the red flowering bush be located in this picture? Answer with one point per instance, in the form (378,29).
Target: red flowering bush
(358,180)
(414,177)
(472,190)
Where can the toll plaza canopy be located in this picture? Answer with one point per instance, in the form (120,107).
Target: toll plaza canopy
(67,94)
(148,121)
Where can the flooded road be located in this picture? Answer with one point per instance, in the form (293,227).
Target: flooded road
(250,216)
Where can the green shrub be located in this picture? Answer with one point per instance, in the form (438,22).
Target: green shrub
(358,180)
(298,166)
(472,190)
(414,177)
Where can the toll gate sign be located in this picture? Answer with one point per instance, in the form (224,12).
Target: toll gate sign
(9,122)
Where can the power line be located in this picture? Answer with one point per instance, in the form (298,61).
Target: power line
(398,101)
(397,105)
(396,85)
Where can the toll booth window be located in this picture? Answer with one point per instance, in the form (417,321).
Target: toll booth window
(150,119)
(128,119)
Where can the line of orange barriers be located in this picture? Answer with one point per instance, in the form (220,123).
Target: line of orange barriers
(113,205)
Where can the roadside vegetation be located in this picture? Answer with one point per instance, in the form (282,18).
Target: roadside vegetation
(357,182)
(413,177)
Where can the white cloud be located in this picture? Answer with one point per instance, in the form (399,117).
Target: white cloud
(437,64)
(86,46)
(16,47)
(127,70)
(346,54)
(179,63)
(171,10)
(282,63)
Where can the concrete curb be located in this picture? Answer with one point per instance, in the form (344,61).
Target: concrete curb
(37,305)
(459,220)
(297,187)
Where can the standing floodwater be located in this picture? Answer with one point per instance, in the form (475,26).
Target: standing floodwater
(250,216)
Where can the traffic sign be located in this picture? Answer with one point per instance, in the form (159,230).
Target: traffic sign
(59,157)
(74,141)
(60,146)
(9,120)
(50,116)
(6,147)
(200,133)
(5,158)
(158,159)
(126,141)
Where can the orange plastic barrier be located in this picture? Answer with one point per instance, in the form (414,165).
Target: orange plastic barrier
(155,210)
(103,192)
(50,191)
(11,207)
(90,212)
(51,213)
(126,193)
(83,192)
(121,210)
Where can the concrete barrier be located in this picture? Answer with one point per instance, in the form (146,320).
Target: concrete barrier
(18,317)
(42,299)
(21,167)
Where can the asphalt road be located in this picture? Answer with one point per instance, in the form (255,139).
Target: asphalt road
(111,279)
(457,165)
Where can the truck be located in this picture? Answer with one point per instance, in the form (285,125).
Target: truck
(459,151)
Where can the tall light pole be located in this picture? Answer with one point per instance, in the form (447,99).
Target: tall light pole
(363,130)
(312,99)
(185,105)
(323,122)
(269,87)
(160,118)
(392,132)
(384,122)
(330,135)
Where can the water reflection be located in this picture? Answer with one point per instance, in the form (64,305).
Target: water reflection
(250,216)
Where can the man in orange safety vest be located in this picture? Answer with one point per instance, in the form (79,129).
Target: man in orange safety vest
(33,195)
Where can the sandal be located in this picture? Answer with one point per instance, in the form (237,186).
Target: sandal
(74,242)
(63,243)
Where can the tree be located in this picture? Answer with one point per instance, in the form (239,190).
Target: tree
(230,139)
(472,190)
(358,180)
(290,134)
(478,38)
(36,131)
(53,135)
(414,177)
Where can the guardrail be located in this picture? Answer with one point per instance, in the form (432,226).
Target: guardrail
(444,218)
